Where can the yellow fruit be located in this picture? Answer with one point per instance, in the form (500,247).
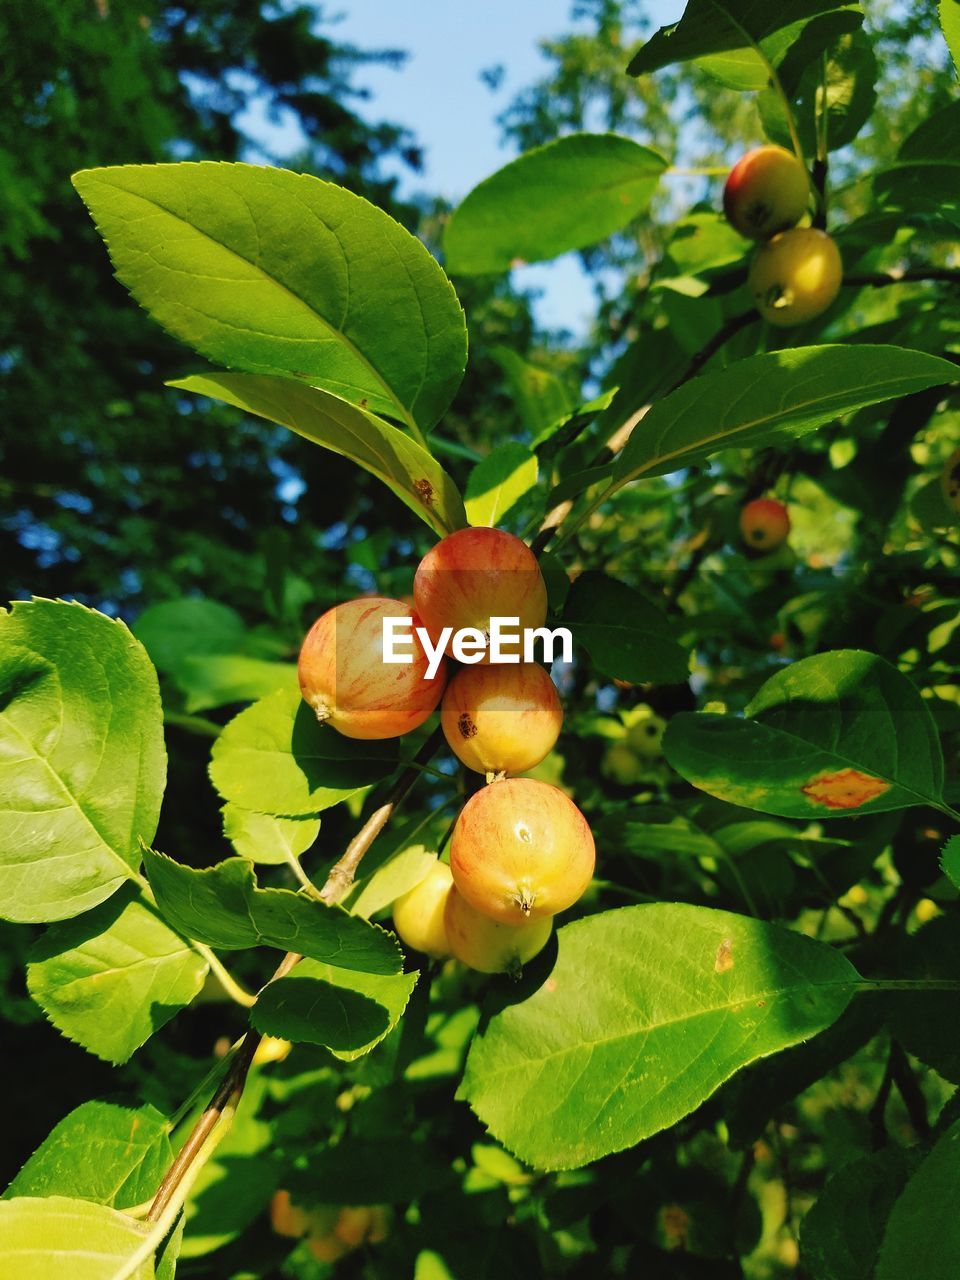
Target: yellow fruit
(622,764)
(795,276)
(418,915)
(767,191)
(501,718)
(646,735)
(489,945)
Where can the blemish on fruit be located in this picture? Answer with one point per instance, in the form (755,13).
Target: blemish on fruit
(424,491)
(724,960)
(523,833)
(550,985)
(466,726)
(844,789)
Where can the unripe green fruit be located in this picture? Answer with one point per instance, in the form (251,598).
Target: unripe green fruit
(764,524)
(418,915)
(521,850)
(950,480)
(344,678)
(646,735)
(500,718)
(766,192)
(622,764)
(490,946)
(795,276)
(477,574)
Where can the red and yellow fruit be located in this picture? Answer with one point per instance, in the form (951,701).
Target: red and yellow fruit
(345,680)
(418,915)
(795,276)
(764,524)
(488,945)
(521,850)
(501,719)
(286,1218)
(766,192)
(477,574)
(950,480)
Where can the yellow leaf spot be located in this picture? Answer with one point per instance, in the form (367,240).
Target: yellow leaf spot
(844,789)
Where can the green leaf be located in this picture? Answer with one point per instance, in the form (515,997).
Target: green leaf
(571,193)
(542,398)
(111,978)
(110,1154)
(224,907)
(930,509)
(82,762)
(275,272)
(55,1238)
(950,22)
(950,860)
(923,1022)
(840,85)
(498,483)
(646,1011)
(840,1235)
(627,637)
(923,1232)
(828,735)
(265,838)
(393,878)
(275,758)
(174,627)
(768,399)
(404,466)
(729,27)
(348,1013)
(222,678)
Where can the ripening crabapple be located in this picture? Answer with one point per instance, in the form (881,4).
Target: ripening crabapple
(521,850)
(767,191)
(489,945)
(477,574)
(501,718)
(795,276)
(344,678)
(418,914)
(764,524)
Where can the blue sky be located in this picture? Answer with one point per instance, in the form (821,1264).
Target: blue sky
(438,94)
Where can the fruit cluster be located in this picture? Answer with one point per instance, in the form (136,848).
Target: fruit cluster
(796,273)
(330,1231)
(521,851)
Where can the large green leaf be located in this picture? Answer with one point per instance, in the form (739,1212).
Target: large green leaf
(748,67)
(646,1011)
(82,762)
(224,907)
(627,637)
(63,1239)
(724,27)
(566,195)
(199,627)
(923,1232)
(834,94)
(828,735)
(950,21)
(348,1013)
(218,679)
(111,978)
(404,466)
(767,399)
(103,1152)
(274,757)
(275,272)
(540,396)
(499,481)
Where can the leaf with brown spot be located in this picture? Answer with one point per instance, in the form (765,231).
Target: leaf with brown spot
(844,788)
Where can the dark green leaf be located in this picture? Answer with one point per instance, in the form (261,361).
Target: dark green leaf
(923,1231)
(627,637)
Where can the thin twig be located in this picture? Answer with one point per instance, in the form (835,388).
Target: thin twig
(909,1090)
(879,279)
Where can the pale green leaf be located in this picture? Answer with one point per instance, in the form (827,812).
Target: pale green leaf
(274,757)
(540,396)
(498,483)
(391,880)
(275,272)
(111,978)
(570,193)
(265,838)
(82,761)
(645,1013)
(406,468)
(215,680)
(103,1152)
(834,733)
(950,22)
(63,1239)
(224,907)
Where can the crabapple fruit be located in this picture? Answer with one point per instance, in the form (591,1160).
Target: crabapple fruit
(521,850)
(766,191)
(622,765)
(286,1218)
(418,915)
(474,575)
(764,524)
(795,276)
(501,719)
(646,734)
(951,480)
(490,946)
(345,680)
